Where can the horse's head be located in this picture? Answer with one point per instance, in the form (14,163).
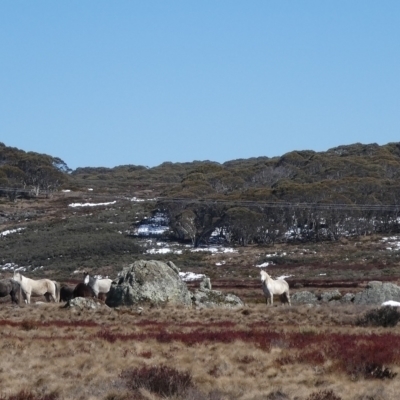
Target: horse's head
(17,276)
(264,276)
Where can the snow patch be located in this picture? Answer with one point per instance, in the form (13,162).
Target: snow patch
(215,250)
(264,264)
(91,204)
(12,267)
(136,199)
(9,231)
(190,276)
(164,250)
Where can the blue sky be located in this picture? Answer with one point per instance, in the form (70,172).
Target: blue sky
(107,83)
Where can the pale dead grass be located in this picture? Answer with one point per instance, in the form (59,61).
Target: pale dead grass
(74,362)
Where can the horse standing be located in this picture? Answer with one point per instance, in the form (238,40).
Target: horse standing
(82,290)
(66,293)
(39,287)
(10,287)
(271,287)
(97,285)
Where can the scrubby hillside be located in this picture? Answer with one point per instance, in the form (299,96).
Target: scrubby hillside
(311,203)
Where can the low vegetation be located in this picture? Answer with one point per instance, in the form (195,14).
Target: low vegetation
(181,353)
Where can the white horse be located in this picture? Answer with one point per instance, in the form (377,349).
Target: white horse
(271,287)
(98,285)
(39,287)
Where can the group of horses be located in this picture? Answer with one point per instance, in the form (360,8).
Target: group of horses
(20,286)
(94,287)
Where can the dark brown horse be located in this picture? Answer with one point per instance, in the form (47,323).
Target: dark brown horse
(66,293)
(12,288)
(83,290)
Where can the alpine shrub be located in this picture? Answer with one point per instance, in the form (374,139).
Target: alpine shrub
(162,380)
(384,316)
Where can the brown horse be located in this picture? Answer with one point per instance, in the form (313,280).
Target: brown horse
(66,293)
(82,290)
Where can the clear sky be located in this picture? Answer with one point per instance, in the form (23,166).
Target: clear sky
(107,83)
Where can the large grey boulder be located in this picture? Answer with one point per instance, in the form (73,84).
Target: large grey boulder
(152,282)
(206,298)
(83,303)
(332,295)
(377,292)
(348,298)
(304,297)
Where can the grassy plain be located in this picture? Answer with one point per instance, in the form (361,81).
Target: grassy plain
(250,353)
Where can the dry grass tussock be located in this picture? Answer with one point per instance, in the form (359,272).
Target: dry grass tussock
(252,353)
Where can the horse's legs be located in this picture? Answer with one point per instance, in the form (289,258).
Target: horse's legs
(272,299)
(27,298)
(288,298)
(13,297)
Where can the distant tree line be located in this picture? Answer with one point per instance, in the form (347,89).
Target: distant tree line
(26,174)
(200,222)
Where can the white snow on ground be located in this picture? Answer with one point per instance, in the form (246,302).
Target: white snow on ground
(91,204)
(391,303)
(214,249)
(322,274)
(167,250)
(163,250)
(393,241)
(264,264)
(220,263)
(190,276)
(140,200)
(12,267)
(276,255)
(147,230)
(66,190)
(154,226)
(5,233)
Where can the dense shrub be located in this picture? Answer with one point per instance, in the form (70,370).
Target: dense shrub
(384,316)
(324,395)
(277,395)
(162,380)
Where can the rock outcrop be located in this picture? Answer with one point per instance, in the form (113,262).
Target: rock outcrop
(332,295)
(83,303)
(304,297)
(206,298)
(347,298)
(152,282)
(377,292)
